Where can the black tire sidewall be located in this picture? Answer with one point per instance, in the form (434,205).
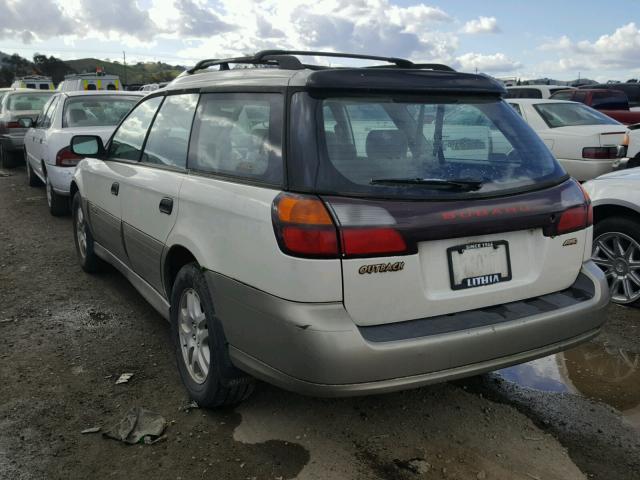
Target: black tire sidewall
(59,203)
(620,224)
(222,373)
(90,262)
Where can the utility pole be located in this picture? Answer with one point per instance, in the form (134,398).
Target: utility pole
(124,61)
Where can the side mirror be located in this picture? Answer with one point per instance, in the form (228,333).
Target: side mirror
(87,146)
(26,122)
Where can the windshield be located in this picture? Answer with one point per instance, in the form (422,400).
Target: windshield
(403,147)
(571,114)
(94,111)
(28,101)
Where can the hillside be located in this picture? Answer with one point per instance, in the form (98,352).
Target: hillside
(148,72)
(137,73)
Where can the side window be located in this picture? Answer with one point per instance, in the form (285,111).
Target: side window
(49,110)
(516,107)
(168,140)
(239,135)
(129,138)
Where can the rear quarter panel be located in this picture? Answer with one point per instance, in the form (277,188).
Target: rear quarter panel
(227,226)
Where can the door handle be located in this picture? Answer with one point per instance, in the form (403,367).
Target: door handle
(115,188)
(166,205)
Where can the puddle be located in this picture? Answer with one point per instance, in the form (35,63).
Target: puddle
(606,374)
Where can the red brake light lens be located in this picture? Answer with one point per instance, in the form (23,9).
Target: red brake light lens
(321,242)
(573,219)
(66,158)
(371,241)
(600,153)
(14,125)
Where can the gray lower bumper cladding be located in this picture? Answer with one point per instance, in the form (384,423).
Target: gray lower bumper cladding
(317,349)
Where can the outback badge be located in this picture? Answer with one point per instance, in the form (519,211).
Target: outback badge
(381,268)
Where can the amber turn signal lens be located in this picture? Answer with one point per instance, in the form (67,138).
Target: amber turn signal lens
(303,211)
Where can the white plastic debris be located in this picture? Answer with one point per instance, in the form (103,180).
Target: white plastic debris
(124,378)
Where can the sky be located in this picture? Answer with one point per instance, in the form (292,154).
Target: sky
(525,39)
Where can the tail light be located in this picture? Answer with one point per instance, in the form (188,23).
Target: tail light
(600,153)
(576,218)
(14,125)
(305,228)
(66,158)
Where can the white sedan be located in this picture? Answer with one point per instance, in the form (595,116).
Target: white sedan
(47,154)
(584,140)
(616,234)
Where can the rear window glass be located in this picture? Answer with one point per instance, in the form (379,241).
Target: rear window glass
(28,101)
(610,100)
(524,93)
(563,95)
(96,111)
(571,114)
(367,144)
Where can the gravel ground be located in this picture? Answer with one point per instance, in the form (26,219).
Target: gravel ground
(66,336)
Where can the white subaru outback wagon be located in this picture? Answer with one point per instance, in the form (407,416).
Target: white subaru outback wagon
(339,231)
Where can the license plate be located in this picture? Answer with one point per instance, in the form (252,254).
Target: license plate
(479,264)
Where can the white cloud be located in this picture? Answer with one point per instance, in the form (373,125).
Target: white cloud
(618,50)
(481,25)
(495,63)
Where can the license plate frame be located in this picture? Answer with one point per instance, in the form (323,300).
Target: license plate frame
(483,279)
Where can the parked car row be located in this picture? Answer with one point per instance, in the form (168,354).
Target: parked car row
(49,159)
(344,231)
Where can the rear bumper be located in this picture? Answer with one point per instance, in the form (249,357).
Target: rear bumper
(12,142)
(60,178)
(583,170)
(316,349)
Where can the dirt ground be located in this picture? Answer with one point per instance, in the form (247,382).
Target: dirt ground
(66,336)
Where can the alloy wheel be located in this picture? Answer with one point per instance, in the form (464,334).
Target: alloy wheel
(81,232)
(194,336)
(618,255)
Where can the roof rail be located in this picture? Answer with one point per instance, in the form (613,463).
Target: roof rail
(285,59)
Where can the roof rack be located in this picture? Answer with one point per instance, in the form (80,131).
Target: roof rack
(285,60)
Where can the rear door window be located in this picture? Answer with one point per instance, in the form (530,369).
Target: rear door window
(129,138)
(168,140)
(239,135)
(49,111)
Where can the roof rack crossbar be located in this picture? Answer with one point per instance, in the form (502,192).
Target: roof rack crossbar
(400,62)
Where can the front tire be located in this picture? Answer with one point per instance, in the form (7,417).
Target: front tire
(616,250)
(32,178)
(83,239)
(201,347)
(58,204)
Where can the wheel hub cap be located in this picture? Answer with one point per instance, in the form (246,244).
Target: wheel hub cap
(81,233)
(194,336)
(618,255)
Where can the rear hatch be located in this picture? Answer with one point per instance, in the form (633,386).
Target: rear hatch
(441,204)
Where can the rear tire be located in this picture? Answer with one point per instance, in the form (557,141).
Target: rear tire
(83,239)
(201,347)
(616,250)
(32,178)
(58,204)
(7,159)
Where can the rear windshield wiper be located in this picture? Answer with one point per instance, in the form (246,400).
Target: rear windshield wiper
(461,184)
